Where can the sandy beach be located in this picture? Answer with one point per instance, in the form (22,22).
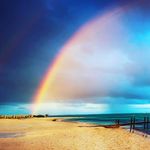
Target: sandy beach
(45,134)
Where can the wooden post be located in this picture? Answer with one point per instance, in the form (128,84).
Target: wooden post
(144,123)
(147,124)
(144,126)
(131,124)
(118,121)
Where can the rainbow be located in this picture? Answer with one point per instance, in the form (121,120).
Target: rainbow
(80,35)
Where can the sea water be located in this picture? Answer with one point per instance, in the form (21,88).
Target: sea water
(110,119)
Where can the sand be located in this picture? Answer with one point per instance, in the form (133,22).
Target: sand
(45,134)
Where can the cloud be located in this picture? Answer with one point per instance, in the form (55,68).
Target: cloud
(104,59)
(109,60)
(65,108)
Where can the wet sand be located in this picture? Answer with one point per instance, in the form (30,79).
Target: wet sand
(45,134)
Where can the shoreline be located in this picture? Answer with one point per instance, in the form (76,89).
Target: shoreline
(44,133)
(98,125)
(63,119)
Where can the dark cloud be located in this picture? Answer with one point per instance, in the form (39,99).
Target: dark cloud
(143,80)
(32,32)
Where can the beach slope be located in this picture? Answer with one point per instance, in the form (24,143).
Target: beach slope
(45,134)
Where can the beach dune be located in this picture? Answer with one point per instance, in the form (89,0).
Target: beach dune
(45,134)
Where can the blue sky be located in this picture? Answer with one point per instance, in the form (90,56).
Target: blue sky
(32,34)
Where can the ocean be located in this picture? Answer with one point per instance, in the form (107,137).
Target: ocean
(109,119)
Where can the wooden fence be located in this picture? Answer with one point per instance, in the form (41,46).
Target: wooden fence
(133,123)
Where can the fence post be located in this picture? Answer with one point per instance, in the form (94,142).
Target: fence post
(147,125)
(118,122)
(131,124)
(144,123)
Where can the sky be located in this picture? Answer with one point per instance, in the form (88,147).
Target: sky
(97,54)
